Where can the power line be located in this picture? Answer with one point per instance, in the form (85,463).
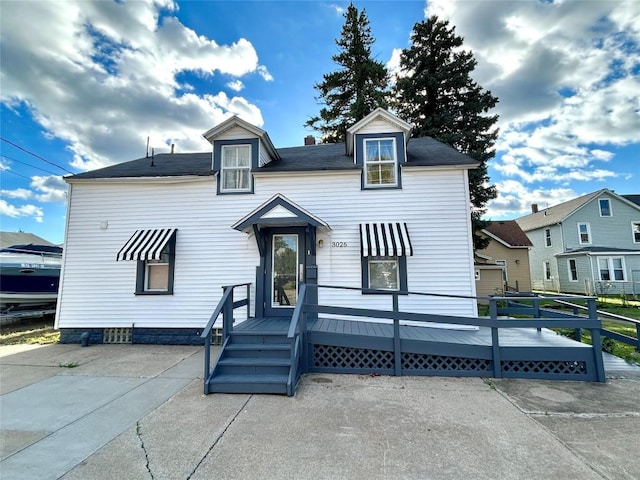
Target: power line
(11,171)
(35,155)
(28,164)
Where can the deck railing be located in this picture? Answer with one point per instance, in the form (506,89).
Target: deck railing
(226,306)
(592,323)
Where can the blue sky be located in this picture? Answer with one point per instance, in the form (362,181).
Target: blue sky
(83,84)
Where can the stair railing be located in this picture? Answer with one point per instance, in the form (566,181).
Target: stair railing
(296,335)
(226,306)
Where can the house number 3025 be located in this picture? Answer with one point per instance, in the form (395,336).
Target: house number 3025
(339,244)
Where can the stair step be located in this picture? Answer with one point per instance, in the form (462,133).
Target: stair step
(253,336)
(259,332)
(259,361)
(258,346)
(229,383)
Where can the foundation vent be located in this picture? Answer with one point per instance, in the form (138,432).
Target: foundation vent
(117,335)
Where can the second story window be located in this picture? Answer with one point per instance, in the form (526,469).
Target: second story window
(584,233)
(547,237)
(380,163)
(605,207)
(235,171)
(635,230)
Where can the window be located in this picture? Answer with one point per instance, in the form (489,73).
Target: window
(235,169)
(611,268)
(573,270)
(380,163)
(547,237)
(503,264)
(546,265)
(155,277)
(605,207)
(384,273)
(635,231)
(584,233)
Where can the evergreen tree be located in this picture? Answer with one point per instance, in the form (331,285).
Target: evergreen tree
(436,94)
(357,88)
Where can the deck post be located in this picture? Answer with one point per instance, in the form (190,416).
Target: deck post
(638,335)
(227,314)
(396,340)
(495,347)
(493,308)
(207,362)
(536,310)
(248,300)
(596,341)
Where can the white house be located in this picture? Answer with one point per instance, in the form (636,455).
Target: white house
(150,242)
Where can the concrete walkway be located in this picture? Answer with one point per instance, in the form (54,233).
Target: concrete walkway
(136,412)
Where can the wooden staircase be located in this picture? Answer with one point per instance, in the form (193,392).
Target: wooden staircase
(255,361)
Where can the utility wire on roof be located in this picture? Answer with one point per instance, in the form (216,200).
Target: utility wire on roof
(35,155)
(28,164)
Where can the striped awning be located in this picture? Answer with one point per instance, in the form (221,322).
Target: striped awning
(385,240)
(146,244)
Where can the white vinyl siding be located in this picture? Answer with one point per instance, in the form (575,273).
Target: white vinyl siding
(210,254)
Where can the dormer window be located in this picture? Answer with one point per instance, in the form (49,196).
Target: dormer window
(380,163)
(235,168)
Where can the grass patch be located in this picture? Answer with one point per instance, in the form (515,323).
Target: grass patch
(37,336)
(68,365)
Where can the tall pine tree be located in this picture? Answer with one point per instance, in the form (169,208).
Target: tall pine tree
(436,94)
(357,88)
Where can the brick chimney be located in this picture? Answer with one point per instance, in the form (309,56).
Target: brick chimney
(534,208)
(309,140)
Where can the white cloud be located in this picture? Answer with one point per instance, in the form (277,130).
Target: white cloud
(236,85)
(21,211)
(4,165)
(514,197)
(566,75)
(338,9)
(21,193)
(50,188)
(103,76)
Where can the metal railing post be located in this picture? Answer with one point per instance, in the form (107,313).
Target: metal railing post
(396,339)
(596,341)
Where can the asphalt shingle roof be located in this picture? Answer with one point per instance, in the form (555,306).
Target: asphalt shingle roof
(555,214)
(423,151)
(509,232)
(633,198)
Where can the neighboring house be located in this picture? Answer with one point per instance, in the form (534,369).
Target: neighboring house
(7,239)
(504,265)
(150,242)
(590,244)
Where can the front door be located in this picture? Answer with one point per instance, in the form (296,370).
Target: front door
(285,252)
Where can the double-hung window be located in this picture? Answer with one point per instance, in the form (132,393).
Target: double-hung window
(584,233)
(635,231)
(546,266)
(384,248)
(547,237)
(573,270)
(235,168)
(156,273)
(605,207)
(380,163)
(611,268)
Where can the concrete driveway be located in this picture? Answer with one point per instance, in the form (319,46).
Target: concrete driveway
(136,412)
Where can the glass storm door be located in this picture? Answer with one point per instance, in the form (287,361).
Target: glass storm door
(284,265)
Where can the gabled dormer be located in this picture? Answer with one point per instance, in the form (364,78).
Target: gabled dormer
(378,143)
(238,149)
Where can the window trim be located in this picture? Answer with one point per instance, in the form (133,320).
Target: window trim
(570,271)
(588,225)
(600,200)
(396,182)
(402,275)
(505,276)
(547,238)
(546,271)
(249,189)
(141,272)
(633,233)
(611,269)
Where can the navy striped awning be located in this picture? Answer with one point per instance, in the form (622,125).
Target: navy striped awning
(385,240)
(146,244)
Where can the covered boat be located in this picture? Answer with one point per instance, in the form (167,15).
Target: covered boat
(29,275)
